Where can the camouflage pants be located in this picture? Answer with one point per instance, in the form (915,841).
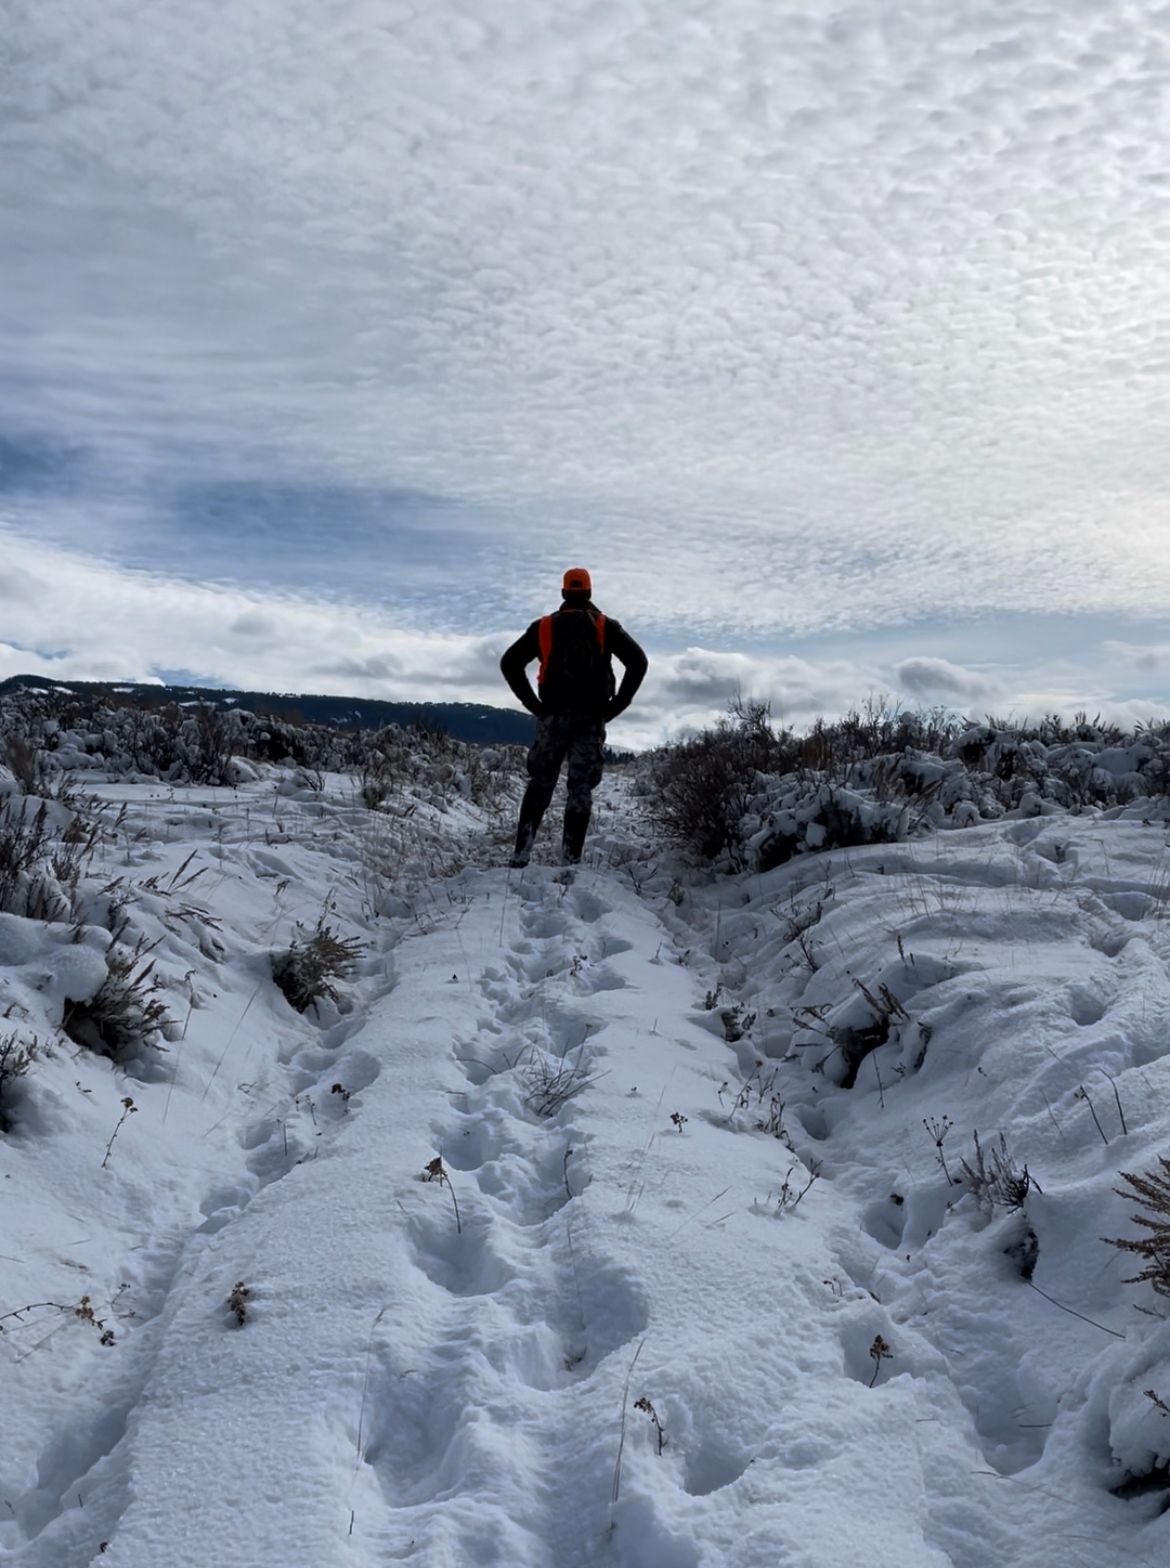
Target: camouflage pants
(577,739)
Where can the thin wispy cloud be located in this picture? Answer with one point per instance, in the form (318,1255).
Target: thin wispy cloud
(791,322)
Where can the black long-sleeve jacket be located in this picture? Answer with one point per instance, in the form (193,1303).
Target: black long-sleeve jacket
(618,644)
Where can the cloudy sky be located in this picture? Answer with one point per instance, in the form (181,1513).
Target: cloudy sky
(834,338)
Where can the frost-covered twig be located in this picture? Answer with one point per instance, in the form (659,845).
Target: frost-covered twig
(995,1178)
(789,1197)
(32,1306)
(551,1083)
(437,1171)
(1152,1190)
(128,1109)
(880,1351)
(617,1469)
(644,1405)
(366,1387)
(1083,1094)
(1073,1311)
(1117,1101)
(938,1129)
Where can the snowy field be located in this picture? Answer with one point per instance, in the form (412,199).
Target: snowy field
(705,1273)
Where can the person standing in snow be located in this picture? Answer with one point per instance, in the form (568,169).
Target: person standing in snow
(574,701)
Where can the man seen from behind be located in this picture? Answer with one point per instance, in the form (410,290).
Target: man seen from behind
(575,699)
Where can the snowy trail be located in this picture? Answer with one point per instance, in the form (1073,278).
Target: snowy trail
(408,1388)
(461,1392)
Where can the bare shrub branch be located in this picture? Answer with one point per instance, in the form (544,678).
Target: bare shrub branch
(552,1081)
(1152,1191)
(995,1178)
(437,1171)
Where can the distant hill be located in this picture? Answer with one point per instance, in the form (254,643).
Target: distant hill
(465,720)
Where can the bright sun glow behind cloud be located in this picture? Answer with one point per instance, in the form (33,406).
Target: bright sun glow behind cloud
(794,322)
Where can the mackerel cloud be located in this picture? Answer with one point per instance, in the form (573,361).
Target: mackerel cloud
(797,318)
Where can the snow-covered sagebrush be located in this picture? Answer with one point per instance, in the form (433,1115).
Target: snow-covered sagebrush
(743,795)
(47,736)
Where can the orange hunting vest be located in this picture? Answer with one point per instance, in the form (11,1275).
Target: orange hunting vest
(545,633)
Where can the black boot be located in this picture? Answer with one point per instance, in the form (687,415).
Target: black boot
(522,854)
(532,809)
(576,826)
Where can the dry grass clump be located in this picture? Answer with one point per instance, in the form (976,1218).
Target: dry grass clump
(995,1179)
(41,862)
(16,1057)
(25,763)
(124,1016)
(1152,1192)
(307,970)
(552,1081)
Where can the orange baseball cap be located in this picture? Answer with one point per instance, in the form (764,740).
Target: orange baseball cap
(577,580)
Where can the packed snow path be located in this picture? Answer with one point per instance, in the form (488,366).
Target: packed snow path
(605,1333)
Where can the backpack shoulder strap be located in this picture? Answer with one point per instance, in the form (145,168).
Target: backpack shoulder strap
(599,623)
(545,634)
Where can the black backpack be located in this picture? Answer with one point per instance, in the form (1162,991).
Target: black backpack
(575,670)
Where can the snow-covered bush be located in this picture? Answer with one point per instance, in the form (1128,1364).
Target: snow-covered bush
(198,744)
(878,729)
(208,739)
(1155,774)
(377,771)
(57,735)
(741,796)
(306,970)
(815,812)
(485,772)
(121,1016)
(25,763)
(44,846)
(16,1057)
(698,792)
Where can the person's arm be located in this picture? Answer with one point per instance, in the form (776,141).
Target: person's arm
(626,650)
(514,667)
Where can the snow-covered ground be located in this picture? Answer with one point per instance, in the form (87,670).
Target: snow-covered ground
(618,1325)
